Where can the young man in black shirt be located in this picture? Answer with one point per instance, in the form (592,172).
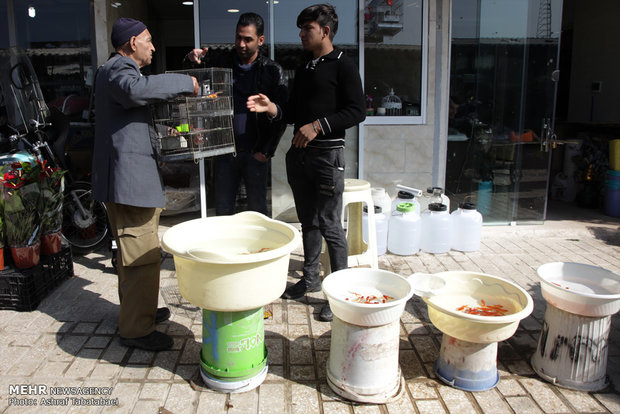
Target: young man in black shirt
(326,99)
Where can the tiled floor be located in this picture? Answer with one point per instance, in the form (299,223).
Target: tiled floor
(71,341)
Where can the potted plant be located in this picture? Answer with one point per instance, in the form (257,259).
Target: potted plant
(21,193)
(51,185)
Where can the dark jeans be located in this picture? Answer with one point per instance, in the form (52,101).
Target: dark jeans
(316,177)
(229,171)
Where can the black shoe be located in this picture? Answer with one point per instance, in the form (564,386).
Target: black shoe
(299,289)
(326,314)
(162,315)
(155,341)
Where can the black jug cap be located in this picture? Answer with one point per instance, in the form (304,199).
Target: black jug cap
(437,207)
(404,195)
(378,209)
(467,206)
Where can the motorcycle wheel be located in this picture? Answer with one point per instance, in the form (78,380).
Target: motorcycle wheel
(85,233)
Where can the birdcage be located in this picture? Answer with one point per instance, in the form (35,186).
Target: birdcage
(191,128)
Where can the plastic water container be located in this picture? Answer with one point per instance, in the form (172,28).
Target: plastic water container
(436,229)
(381,229)
(381,198)
(406,197)
(612,193)
(433,195)
(466,228)
(404,232)
(485,193)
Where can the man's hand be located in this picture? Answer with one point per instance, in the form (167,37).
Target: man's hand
(196,86)
(260,157)
(304,135)
(261,103)
(195,55)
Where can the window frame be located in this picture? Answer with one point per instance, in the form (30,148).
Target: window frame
(401,119)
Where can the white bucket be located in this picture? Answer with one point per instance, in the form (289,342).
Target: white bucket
(363,361)
(572,350)
(220,265)
(466,365)
(340,286)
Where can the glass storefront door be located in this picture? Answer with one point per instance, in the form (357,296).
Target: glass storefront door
(504,61)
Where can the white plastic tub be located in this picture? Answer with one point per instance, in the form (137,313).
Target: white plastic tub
(220,265)
(580,288)
(339,285)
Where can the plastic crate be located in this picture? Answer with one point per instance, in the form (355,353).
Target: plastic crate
(191,128)
(24,289)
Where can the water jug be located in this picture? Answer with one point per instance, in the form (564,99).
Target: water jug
(406,197)
(381,229)
(466,228)
(404,230)
(381,198)
(434,195)
(436,229)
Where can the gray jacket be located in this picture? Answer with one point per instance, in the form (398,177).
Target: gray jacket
(125,166)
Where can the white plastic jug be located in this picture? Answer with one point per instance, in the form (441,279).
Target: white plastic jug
(436,229)
(434,195)
(404,230)
(381,198)
(466,228)
(381,229)
(406,197)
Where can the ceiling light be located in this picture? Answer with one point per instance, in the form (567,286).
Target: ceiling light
(116,4)
(32,12)
(188,3)
(233,10)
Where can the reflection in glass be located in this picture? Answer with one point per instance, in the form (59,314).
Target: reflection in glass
(393,57)
(501,91)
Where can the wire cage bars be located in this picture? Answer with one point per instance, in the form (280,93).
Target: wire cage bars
(191,128)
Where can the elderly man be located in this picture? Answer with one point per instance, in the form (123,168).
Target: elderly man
(127,177)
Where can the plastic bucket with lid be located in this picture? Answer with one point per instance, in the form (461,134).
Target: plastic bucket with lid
(233,347)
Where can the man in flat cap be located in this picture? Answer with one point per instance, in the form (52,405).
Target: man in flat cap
(127,176)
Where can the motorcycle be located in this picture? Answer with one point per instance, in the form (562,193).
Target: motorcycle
(36,132)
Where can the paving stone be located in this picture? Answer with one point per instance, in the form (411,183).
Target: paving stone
(429,406)
(423,390)
(272,398)
(582,401)
(336,407)
(157,392)
(212,402)
(510,387)
(304,399)
(491,402)
(610,401)
(524,405)
(544,396)
(302,372)
(244,402)
(456,400)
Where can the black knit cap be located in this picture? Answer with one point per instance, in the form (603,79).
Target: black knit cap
(124,28)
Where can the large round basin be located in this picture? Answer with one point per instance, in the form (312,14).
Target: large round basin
(231,263)
(580,288)
(471,289)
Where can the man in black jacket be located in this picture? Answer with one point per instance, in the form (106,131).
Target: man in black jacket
(256,135)
(326,99)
